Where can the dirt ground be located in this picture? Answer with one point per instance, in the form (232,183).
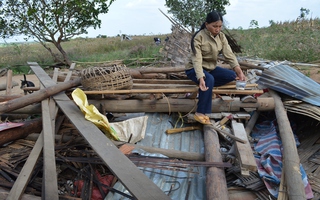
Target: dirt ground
(17,78)
(312,72)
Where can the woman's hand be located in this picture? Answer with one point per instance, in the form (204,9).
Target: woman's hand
(202,85)
(240,75)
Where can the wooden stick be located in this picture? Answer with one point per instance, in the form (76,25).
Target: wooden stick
(222,132)
(179,130)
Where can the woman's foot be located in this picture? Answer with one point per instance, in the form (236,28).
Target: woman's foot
(202,118)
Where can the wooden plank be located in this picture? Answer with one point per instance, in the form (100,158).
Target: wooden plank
(69,74)
(139,185)
(247,161)
(25,174)
(49,110)
(50,189)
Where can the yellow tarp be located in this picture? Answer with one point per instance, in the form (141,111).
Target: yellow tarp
(92,114)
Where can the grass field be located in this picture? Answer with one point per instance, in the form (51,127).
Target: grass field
(295,41)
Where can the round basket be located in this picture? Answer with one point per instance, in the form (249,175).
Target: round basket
(114,77)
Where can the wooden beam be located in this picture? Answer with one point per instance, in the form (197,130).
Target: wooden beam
(291,160)
(180,105)
(9,97)
(216,184)
(245,154)
(137,183)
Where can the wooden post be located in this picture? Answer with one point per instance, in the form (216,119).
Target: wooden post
(291,160)
(216,180)
(9,82)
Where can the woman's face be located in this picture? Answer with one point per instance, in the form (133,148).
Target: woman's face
(214,27)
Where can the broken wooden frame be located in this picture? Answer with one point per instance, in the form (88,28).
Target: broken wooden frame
(130,176)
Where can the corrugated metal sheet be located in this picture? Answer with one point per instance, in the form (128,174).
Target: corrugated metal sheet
(177,184)
(287,80)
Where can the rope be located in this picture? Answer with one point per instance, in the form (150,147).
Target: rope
(167,102)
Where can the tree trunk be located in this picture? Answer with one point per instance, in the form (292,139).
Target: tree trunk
(64,54)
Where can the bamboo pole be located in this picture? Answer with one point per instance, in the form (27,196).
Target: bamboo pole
(173,90)
(291,160)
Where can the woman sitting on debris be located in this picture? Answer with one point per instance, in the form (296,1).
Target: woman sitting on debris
(206,44)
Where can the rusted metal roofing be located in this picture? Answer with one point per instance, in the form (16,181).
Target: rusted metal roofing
(287,80)
(189,184)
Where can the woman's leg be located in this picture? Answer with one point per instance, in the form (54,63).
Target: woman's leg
(222,76)
(205,97)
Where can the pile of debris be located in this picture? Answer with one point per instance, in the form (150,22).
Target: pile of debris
(57,153)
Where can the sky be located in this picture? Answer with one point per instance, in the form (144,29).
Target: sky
(142,17)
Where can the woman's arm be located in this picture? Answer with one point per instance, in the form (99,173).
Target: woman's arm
(240,75)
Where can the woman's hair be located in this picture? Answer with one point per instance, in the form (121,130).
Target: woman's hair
(211,17)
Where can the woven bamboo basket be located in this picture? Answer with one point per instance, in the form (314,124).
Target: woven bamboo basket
(113,77)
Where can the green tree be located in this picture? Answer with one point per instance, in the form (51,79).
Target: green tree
(304,12)
(51,21)
(254,24)
(191,13)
